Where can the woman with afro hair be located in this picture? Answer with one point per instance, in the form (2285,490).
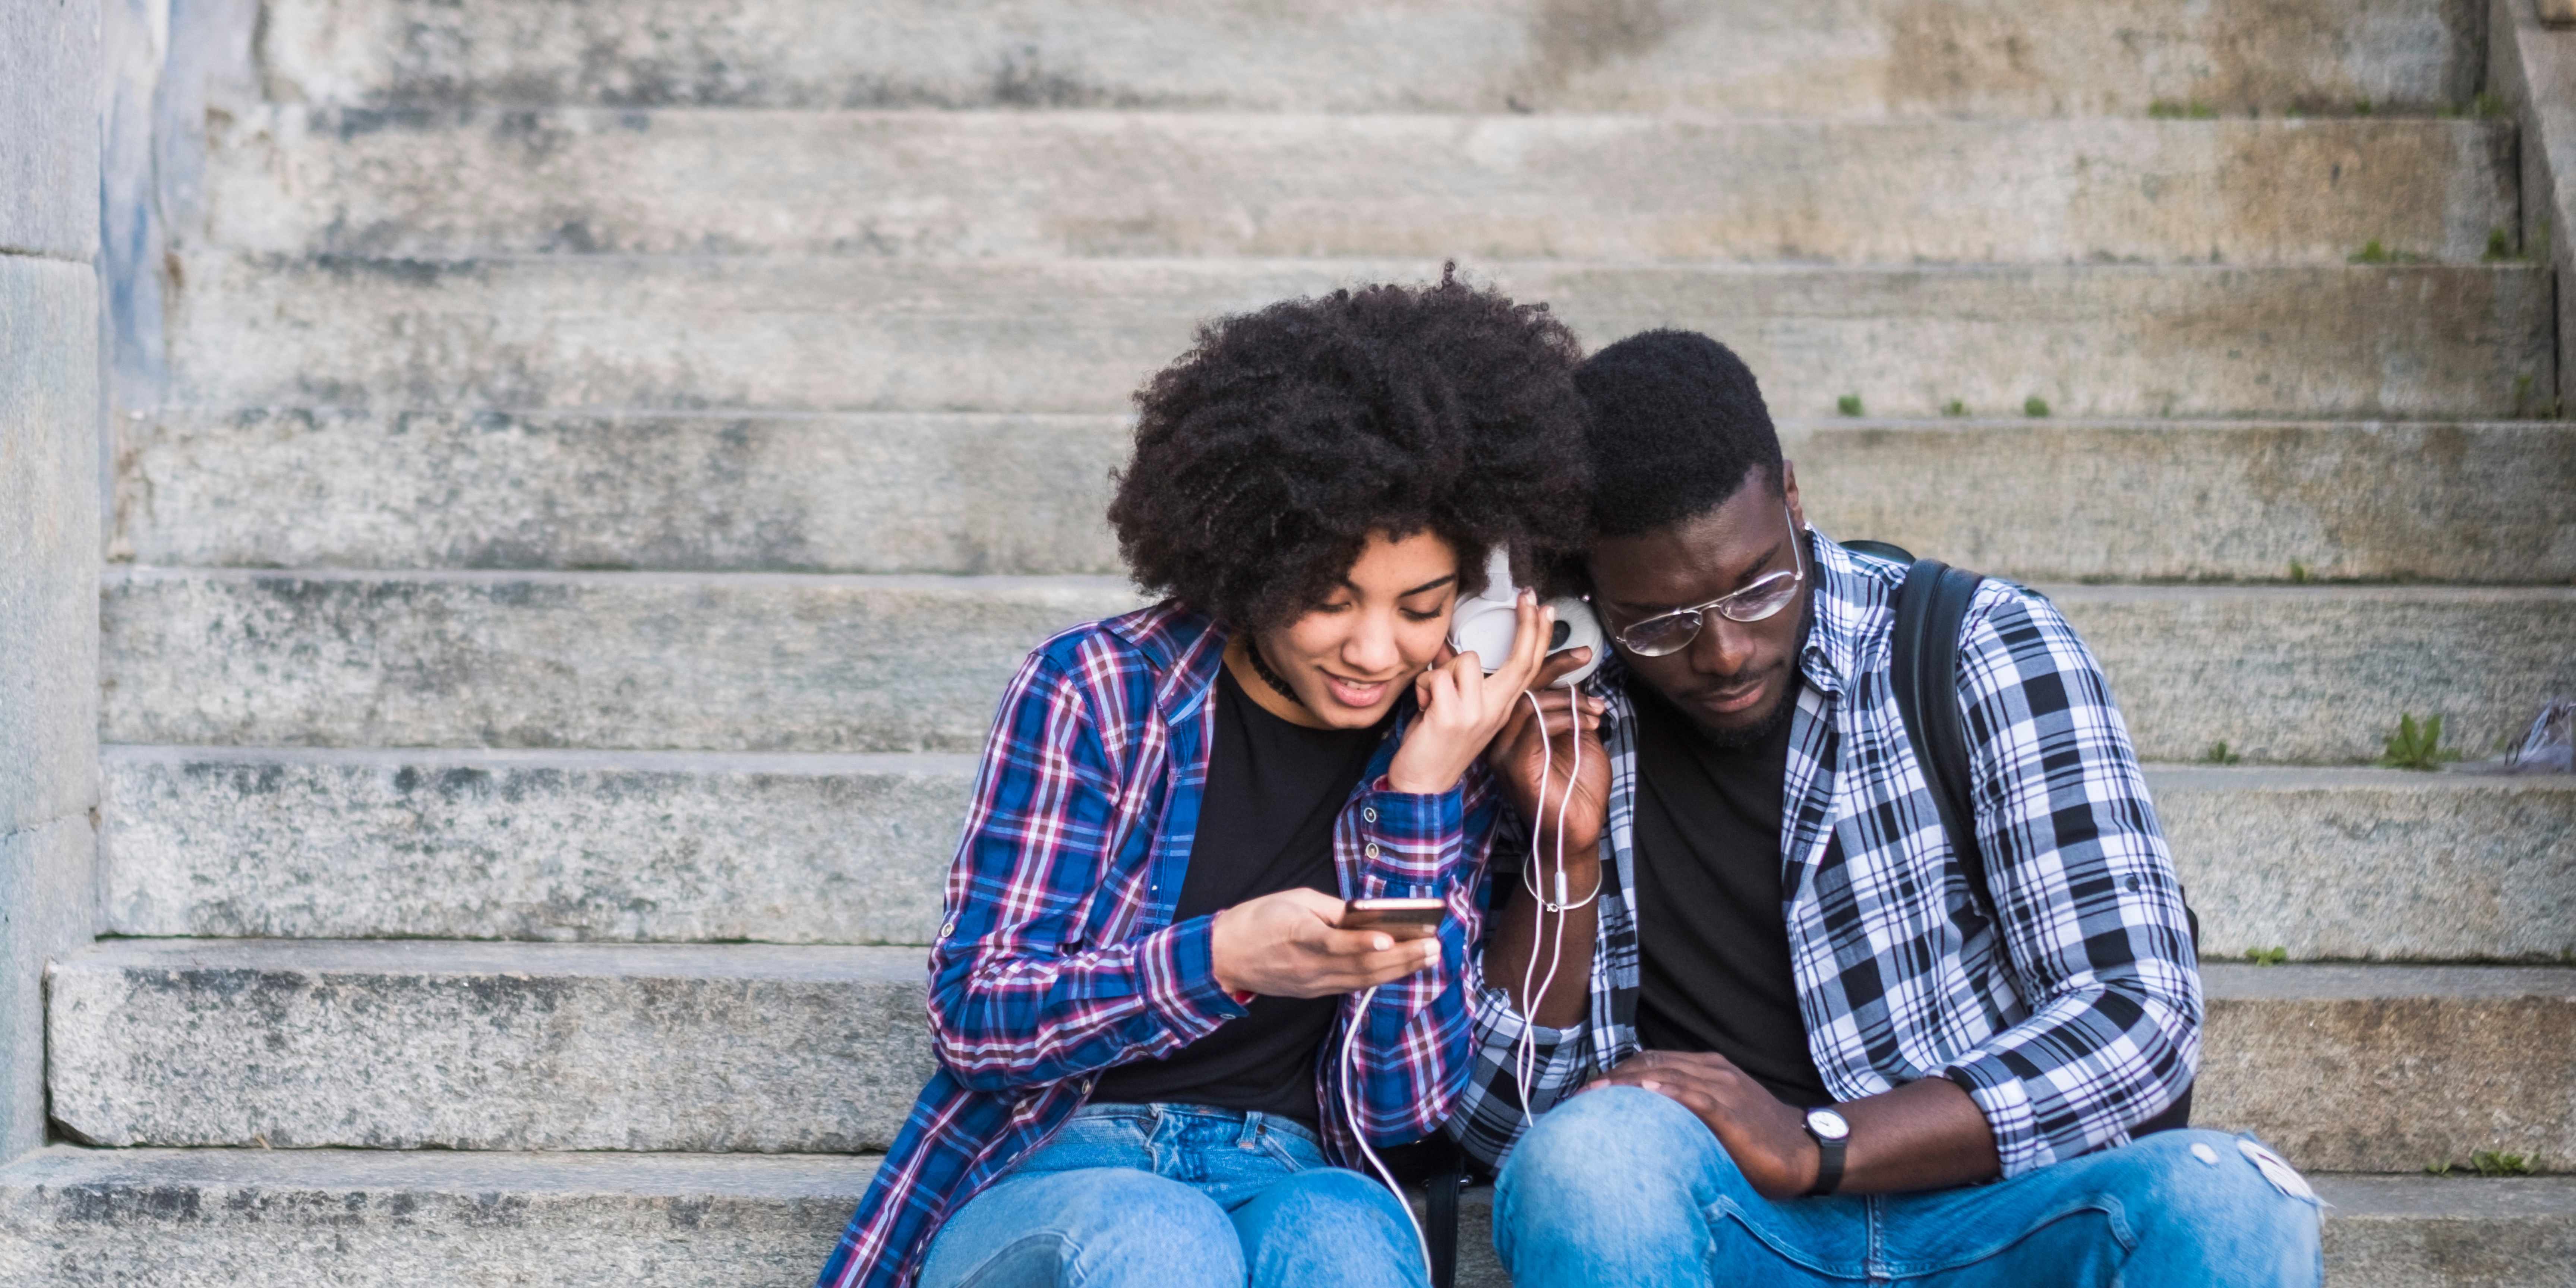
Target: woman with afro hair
(1142,1000)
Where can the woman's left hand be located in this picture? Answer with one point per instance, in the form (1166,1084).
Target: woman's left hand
(1463,708)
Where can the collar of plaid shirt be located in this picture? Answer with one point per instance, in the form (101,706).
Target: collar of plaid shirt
(1059,956)
(2076,1018)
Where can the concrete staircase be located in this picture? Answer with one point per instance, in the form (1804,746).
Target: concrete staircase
(617,453)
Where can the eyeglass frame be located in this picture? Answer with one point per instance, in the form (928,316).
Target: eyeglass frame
(1796,573)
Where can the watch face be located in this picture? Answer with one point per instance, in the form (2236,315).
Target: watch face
(1827,1124)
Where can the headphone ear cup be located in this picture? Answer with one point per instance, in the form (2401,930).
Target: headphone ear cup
(1576,627)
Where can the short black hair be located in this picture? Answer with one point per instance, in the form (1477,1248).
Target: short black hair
(1677,426)
(1268,453)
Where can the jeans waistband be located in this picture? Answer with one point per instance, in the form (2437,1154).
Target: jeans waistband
(1250,1119)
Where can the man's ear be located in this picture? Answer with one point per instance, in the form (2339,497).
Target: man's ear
(1789,493)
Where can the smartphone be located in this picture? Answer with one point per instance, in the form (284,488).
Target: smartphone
(1407,918)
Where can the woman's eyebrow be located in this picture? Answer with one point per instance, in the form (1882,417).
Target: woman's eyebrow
(1433,584)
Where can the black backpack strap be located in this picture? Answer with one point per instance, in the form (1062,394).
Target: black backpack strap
(1929,612)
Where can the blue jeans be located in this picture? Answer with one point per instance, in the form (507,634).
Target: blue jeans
(1177,1196)
(1624,1186)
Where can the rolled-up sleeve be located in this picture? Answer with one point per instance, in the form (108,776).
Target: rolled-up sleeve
(2099,945)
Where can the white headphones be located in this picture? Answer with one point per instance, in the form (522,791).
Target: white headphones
(1485,623)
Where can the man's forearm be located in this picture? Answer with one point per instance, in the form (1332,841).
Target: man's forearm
(1517,942)
(1925,1135)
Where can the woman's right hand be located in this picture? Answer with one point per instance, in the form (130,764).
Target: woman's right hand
(1286,945)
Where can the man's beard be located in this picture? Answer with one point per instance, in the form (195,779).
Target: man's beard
(1744,737)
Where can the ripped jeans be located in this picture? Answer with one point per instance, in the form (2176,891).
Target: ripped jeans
(1624,1186)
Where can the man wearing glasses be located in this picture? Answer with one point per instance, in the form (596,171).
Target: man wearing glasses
(1804,1051)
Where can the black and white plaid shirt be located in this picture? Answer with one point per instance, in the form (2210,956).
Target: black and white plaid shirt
(2080,1022)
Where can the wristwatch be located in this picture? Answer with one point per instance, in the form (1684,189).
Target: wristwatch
(1830,1133)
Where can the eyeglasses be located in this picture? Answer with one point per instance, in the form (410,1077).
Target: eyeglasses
(1667,633)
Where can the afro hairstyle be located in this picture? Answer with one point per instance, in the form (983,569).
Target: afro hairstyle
(1266,455)
(1677,426)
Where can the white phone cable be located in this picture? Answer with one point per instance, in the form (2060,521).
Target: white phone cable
(1359,1132)
(1525,1054)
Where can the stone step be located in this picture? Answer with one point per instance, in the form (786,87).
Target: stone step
(1861,57)
(408,1044)
(89,1218)
(784,662)
(540,845)
(292,181)
(900,493)
(761,1048)
(872,333)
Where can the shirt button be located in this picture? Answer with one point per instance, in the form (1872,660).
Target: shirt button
(949,929)
(1368,814)
(1371,851)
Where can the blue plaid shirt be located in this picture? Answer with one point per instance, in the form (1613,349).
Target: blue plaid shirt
(1060,958)
(2076,1021)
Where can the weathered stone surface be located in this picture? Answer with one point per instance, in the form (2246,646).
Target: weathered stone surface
(853,333)
(728,662)
(2374,863)
(49,119)
(48,538)
(867,493)
(529,845)
(1852,57)
(1619,188)
(2056,500)
(49,900)
(2406,1232)
(778,1049)
(773,662)
(83,1218)
(421,1044)
(2203,500)
(2321,675)
(2389,1068)
(2338,863)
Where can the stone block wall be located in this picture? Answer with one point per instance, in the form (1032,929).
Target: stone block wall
(49,524)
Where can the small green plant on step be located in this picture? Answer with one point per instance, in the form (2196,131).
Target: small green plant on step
(2491,1163)
(2267,956)
(2218,754)
(2035,407)
(2363,107)
(2487,106)
(2499,247)
(1954,408)
(2299,574)
(1848,404)
(2442,1168)
(2416,746)
(2166,109)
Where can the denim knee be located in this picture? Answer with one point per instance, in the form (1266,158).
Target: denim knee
(2195,1196)
(1119,1226)
(1618,1148)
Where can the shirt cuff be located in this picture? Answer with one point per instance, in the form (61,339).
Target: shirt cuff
(1179,967)
(1406,837)
(2001,1097)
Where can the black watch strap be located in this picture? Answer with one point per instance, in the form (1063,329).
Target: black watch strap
(1829,1160)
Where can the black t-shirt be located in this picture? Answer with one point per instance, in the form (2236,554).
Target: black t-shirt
(1713,945)
(1266,819)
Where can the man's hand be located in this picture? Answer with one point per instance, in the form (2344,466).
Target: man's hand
(1529,746)
(1767,1139)
(1462,707)
(1925,1135)
(1285,945)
